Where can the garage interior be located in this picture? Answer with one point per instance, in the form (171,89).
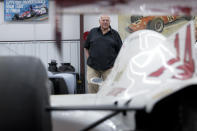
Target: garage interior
(58,43)
(38,38)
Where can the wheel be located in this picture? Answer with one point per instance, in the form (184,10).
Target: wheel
(16,17)
(156,25)
(24,95)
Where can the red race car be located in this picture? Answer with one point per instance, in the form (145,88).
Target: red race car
(152,22)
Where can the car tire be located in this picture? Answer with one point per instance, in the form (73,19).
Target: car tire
(24,95)
(156,25)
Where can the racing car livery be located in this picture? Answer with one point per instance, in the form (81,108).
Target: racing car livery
(155,23)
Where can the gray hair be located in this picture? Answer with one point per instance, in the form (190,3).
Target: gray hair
(103,15)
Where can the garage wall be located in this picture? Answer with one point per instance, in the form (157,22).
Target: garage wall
(44,30)
(37,31)
(46,51)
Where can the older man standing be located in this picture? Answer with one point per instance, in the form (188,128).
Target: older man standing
(101,49)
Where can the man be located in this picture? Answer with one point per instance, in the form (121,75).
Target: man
(196,33)
(101,49)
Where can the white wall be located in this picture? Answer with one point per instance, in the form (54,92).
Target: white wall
(44,30)
(19,31)
(46,51)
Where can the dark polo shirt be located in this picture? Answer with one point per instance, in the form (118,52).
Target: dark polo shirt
(103,49)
